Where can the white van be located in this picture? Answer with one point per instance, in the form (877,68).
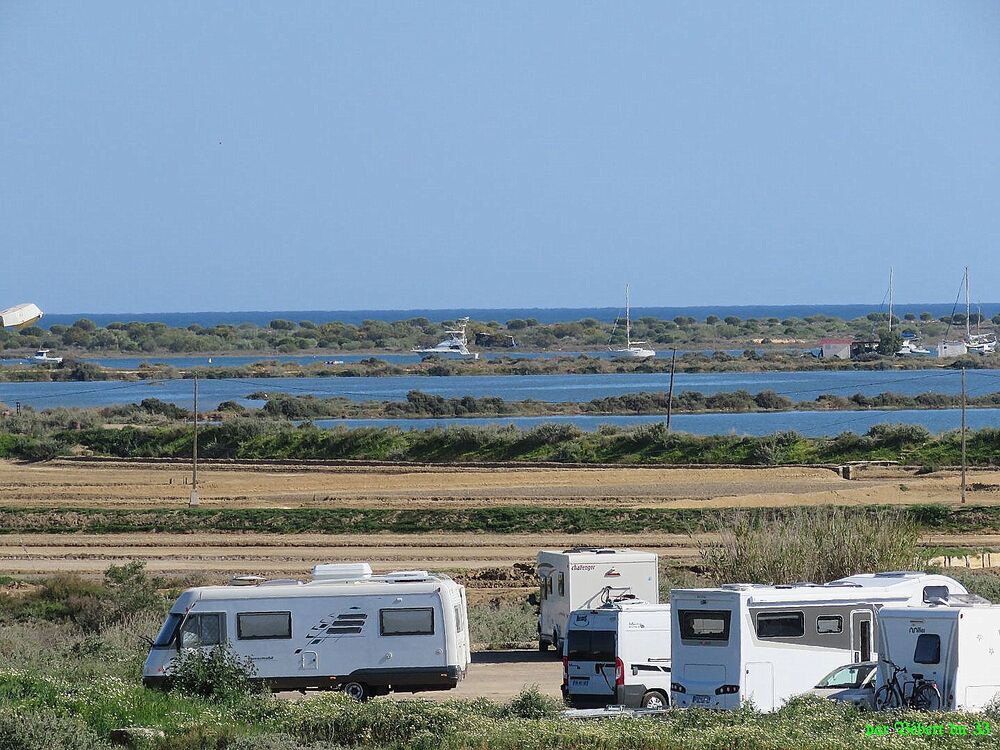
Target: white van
(618,654)
(345,630)
(579,578)
(746,642)
(956,646)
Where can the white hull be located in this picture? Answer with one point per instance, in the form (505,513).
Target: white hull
(447,353)
(635,352)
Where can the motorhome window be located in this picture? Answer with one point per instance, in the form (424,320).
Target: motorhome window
(828,624)
(262,625)
(935,594)
(780,625)
(705,625)
(459,622)
(548,584)
(202,630)
(544,593)
(591,645)
(415,621)
(562,584)
(169,630)
(928,650)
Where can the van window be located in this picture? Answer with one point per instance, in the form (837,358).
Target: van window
(928,650)
(704,625)
(459,622)
(206,629)
(411,621)
(591,645)
(562,584)
(829,624)
(262,625)
(169,630)
(935,593)
(544,591)
(548,585)
(780,625)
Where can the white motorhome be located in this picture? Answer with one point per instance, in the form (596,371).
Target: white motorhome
(765,644)
(579,578)
(956,646)
(345,630)
(618,654)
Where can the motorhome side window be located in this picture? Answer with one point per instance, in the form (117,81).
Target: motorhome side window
(829,624)
(935,594)
(928,650)
(780,625)
(548,585)
(705,625)
(562,584)
(410,621)
(263,625)
(205,629)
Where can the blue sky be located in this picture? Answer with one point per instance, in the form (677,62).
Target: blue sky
(336,155)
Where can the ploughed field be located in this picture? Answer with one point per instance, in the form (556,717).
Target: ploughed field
(492,564)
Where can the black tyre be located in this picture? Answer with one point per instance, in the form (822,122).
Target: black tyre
(886,698)
(927,697)
(357,690)
(542,646)
(654,699)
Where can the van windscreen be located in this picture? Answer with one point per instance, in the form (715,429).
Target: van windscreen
(704,624)
(168,631)
(591,645)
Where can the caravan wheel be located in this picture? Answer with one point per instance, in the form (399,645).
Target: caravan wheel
(655,700)
(356,690)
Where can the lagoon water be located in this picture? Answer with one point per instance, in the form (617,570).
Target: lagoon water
(799,386)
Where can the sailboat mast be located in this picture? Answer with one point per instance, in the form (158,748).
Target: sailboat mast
(628,321)
(890,299)
(968,306)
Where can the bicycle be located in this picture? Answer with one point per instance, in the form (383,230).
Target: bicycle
(924,695)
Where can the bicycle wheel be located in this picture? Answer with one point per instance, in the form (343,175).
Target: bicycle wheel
(886,698)
(926,697)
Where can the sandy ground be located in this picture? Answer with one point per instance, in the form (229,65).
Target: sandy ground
(138,485)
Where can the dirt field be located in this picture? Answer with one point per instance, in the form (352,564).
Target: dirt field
(218,555)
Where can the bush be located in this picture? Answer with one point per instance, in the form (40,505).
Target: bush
(500,624)
(34,729)
(217,674)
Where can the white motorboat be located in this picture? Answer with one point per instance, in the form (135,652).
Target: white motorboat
(911,346)
(42,357)
(632,349)
(20,316)
(455,346)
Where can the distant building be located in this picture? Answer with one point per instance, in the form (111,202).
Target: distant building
(952,349)
(863,347)
(835,348)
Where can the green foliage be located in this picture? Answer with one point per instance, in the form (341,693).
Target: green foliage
(499,624)
(218,674)
(23,728)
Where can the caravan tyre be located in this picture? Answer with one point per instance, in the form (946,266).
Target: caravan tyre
(356,690)
(654,699)
(542,646)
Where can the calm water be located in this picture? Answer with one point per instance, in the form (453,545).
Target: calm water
(799,386)
(545,315)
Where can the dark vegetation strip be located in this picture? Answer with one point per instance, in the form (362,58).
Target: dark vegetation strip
(499,520)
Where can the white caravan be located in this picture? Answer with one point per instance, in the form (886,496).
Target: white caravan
(747,642)
(581,577)
(345,630)
(618,654)
(954,646)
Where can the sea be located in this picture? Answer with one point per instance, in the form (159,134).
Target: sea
(542,315)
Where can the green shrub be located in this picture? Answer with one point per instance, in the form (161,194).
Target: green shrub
(41,729)
(217,674)
(500,624)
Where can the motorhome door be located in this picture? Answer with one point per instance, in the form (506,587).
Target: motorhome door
(760,684)
(861,635)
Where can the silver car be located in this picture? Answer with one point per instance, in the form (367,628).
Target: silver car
(852,683)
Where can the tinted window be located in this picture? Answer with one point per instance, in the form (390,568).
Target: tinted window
(591,645)
(168,631)
(829,624)
(780,625)
(415,621)
(562,585)
(935,593)
(704,625)
(259,625)
(202,630)
(928,650)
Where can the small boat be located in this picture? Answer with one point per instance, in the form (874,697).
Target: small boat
(910,346)
(976,343)
(334,362)
(20,316)
(42,357)
(455,346)
(633,349)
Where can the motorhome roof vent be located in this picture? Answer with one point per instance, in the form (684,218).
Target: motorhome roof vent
(736,586)
(898,574)
(341,571)
(246,580)
(281,582)
(847,584)
(407,576)
(595,550)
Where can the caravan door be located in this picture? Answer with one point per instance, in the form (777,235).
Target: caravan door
(861,635)
(760,685)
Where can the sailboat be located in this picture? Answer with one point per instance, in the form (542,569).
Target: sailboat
(979,343)
(454,346)
(910,345)
(633,349)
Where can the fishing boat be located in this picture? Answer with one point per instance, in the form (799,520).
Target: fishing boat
(42,357)
(911,346)
(632,349)
(454,346)
(20,316)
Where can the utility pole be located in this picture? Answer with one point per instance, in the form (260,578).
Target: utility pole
(670,393)
(963,434)
(193,502)
(890,299)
